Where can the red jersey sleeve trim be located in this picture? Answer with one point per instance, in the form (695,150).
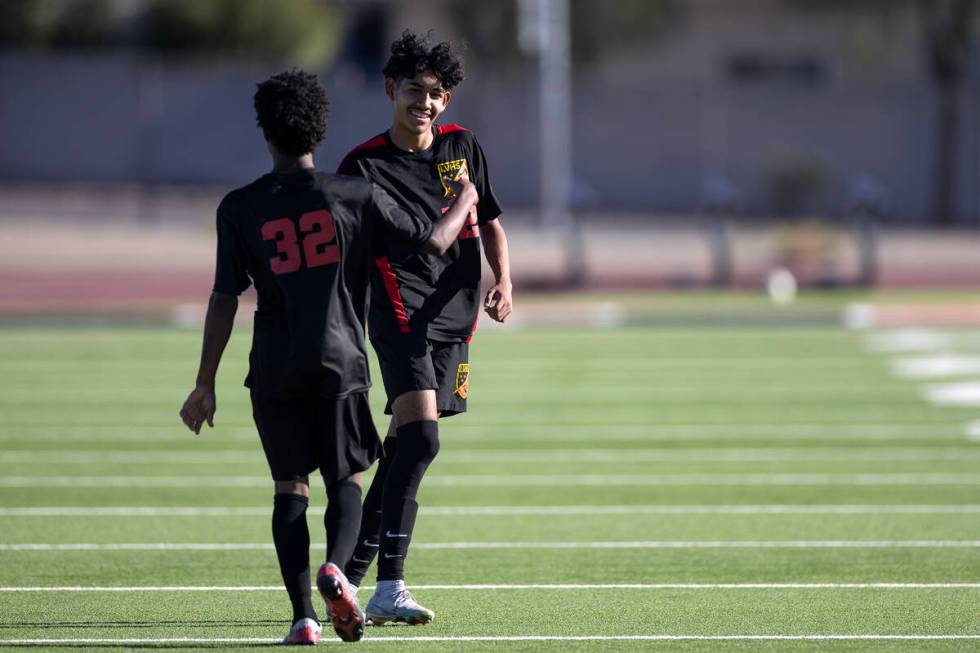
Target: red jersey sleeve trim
(446,129)
(391,285)
(377,141)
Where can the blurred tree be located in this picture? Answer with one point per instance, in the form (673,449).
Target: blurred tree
(600,27)
(55,23)
(489,29)
(83,24)
(305,32)
(19,24)
(597,26)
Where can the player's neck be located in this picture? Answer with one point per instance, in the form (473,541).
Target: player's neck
(409,141)
(284,165)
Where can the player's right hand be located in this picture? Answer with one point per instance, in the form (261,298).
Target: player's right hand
(198,408)
(464,190)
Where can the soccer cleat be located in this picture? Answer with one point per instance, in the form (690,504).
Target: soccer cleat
(304,631)
(399,607)
(345,615)
(353,592)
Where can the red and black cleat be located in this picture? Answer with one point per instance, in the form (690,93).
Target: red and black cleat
(304,631)
(346,616)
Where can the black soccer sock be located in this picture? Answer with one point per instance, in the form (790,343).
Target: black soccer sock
(342,520)
(418,444)
(367,540)
(292,539)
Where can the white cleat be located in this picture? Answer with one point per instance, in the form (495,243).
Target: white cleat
(304,631)
(398,607)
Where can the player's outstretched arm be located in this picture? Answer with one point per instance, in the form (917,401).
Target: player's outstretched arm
(498,303)
(446,229)
(200,404)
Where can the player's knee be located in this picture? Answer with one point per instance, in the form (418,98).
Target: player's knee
(356,479)
(299,487)
(414,406)
(429,442)
(420,440)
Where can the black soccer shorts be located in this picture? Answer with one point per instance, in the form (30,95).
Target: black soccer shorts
(412,362)
(300,435)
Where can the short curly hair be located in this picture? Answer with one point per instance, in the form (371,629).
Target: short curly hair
(411,56)
(292,108)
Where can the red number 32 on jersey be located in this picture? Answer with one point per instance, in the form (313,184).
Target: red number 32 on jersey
(319,243)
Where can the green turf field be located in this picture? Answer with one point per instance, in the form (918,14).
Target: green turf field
(776,489)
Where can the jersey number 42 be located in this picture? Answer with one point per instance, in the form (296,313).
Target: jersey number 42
(319,243)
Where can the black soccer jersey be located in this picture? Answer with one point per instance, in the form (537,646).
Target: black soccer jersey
(412,290)
(306,241)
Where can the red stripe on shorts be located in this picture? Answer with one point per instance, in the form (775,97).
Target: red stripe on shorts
(391,285)
(473,330)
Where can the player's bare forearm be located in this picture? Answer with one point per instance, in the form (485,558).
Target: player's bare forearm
(200,404)
(495,247)
(447,228)
(499,301)
(217,331)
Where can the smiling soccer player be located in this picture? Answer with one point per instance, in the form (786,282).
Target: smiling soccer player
(424,308)
(306,240)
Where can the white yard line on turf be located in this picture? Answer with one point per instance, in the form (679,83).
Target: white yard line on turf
(505,511)
(966,393)
(937,366)
(893,341)
(549,430)
(496,480)
(655,544)
(727,431)
(726,454)
(716,392)
(497,638)
(973,431)
(523,480)
(499,586)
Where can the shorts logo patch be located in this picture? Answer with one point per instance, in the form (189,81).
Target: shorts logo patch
(463,380)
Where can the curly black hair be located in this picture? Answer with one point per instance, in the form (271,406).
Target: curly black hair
(291,108)
(411,55)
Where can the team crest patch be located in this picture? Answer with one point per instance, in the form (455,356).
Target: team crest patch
(450,171)
(463,380)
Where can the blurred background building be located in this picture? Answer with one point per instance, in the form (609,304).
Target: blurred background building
(772,106)
(836,120)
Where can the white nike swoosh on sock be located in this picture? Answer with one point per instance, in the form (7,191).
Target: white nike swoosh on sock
(390,534)
(366,543)
(391,556)
(356,559)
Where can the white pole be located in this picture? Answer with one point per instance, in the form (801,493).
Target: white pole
(555,114)
(544,29)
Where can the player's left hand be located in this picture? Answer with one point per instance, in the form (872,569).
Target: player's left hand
(498,303)
(198,408)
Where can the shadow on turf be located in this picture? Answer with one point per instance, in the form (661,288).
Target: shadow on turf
(143,624)
(133,624)
(172,647)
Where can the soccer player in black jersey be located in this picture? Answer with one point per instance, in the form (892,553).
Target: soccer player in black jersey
(424,307)
(307,241)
